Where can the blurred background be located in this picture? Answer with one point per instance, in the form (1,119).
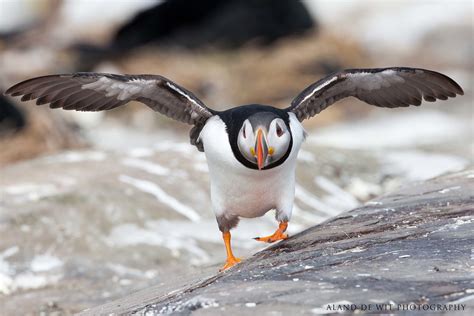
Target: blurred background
(97,205)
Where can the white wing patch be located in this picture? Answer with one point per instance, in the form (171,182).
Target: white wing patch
(374,81)
(317,88)
(121,90)
(175,88)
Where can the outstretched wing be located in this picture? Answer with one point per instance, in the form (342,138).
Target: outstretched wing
(384,87)
(100,91)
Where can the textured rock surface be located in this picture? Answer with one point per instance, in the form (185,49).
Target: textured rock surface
(414,246)
(83,228)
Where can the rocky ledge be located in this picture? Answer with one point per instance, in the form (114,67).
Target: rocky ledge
(405,251)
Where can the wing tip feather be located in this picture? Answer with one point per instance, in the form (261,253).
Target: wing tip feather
(455,87)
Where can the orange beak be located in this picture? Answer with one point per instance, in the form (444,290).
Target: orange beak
(261,150)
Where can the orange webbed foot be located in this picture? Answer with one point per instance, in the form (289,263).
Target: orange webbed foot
(230,262)
(272,238)
(279,234)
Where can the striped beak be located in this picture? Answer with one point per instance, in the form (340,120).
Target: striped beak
(261,149)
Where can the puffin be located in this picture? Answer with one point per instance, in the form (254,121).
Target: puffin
(251,150)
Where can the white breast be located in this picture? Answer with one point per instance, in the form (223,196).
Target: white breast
(245,192)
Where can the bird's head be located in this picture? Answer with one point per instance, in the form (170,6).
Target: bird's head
(263,139)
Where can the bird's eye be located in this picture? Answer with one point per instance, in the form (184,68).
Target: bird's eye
(279,130)
(243,132)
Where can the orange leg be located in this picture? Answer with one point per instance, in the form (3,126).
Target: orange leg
(279,234)
(231,260)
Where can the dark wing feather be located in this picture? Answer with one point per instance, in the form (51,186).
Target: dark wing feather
(100,91)
(383,87)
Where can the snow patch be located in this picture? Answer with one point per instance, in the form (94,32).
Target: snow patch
(140,152)
(417,165)
(26,281)
(9,252)
(306,156)
(405,129)
(446,190)
(311,200)
(306,216)
(122,270)
(363,190)
(11,282)
(45,262)
(77,156)
(338,198)
(130,235)
(162,196)
(181,147)
(30,191)
(147,166)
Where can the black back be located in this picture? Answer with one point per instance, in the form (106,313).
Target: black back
(235,117)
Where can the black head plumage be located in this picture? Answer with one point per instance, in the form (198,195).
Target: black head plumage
(258,114)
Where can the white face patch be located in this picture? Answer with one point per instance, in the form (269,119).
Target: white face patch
(246,141)
(121,90)
(278,139)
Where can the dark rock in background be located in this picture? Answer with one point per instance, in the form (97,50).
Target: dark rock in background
(413,246)
(12,119)
(205,23)
(224,23)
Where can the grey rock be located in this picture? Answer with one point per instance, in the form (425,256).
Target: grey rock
(411,249)
(82,228)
